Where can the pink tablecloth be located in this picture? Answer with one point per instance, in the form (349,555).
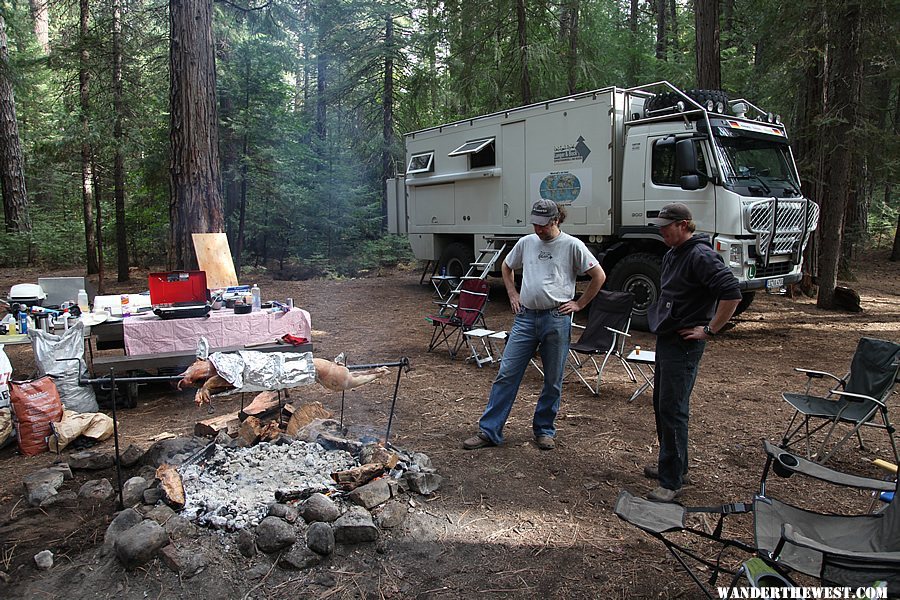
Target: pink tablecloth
(148,334)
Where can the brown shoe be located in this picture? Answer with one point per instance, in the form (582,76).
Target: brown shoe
(652,472)
(662,494)
(479,440)
(544,442)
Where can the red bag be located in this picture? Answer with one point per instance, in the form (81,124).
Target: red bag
(35,405)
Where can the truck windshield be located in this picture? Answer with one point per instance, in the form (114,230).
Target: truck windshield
(757,167)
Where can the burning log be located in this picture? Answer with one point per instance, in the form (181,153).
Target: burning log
(263,403)
(171,486)
(211,427)
(356,476)
(306,414)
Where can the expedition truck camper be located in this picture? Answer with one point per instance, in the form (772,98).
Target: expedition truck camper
(613,158)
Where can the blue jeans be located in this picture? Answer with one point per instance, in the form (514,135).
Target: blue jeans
(677,364)
(548,332)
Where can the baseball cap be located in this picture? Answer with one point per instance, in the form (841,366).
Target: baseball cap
(543,211)
(671,213)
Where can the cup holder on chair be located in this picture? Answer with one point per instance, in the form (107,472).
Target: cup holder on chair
(783,464)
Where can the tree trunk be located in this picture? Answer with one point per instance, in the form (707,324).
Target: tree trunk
(572,10)
(243,157)
(843,83)
(196,202)
(98,223)
(40,14)
(387,113)
(706,19)
(12,166)
(631,77)
(673,24)
(87,183)
(888,188)
(661,47)
(119,140)
(521,36)
(322,71)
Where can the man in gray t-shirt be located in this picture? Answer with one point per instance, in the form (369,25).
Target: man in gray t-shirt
(550,261)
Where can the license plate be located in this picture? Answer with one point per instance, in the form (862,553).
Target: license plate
(775,284)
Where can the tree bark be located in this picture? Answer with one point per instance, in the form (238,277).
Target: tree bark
(40,14)
(522,37)
(322,71)
(573,8)
(843,84)
(196,201)
(119,140)
(87,154)
(706,20)
(661,46)
(387,114)
(12,166)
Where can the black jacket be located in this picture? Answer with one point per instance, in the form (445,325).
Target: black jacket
(693,279)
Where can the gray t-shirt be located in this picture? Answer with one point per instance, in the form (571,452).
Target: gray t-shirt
(549,268)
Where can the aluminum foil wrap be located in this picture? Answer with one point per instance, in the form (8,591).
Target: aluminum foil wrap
(251,371)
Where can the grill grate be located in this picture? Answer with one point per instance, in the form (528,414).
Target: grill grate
(784,232)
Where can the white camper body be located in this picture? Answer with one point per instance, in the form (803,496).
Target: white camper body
(613,158)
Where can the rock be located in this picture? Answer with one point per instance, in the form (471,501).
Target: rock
(371,494)
(178,527)
(123,521)
(355,526)
(131,456)
(320,538)
(274,534)
(91,460)
(43,560)
(183,563)
(62,468)
(375,453)
(319,507)
(257,571)
(333,442)
(246,543)
(42,484)
(152,495)
(147,472)
(391,515)
(173,451)
(283,511)
(171,486)
(97,489)
(310,432)
(133,491)
(160,513)
(67,496)
(138,545)
(222,438)
(424,483)
(423,462)
(299,559)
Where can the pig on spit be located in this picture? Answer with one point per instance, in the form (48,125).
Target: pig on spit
(330,375)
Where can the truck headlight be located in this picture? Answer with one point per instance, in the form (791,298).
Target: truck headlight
(735,256)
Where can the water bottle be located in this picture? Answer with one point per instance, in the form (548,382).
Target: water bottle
(443,271)
(23,322)
(256,301)
(83,302)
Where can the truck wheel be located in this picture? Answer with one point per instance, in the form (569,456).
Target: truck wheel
(457,257)
(638,274)
(746,300)
(701,97)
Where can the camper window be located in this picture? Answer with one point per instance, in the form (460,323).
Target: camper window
(481,153)
(421,163)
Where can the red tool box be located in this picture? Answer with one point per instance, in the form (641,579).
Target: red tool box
(179,294)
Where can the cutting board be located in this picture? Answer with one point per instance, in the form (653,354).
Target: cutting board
(214,257)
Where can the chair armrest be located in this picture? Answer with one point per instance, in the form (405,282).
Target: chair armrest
(790,534)
(619,332)
(858,397)
(577,326)
(819,374)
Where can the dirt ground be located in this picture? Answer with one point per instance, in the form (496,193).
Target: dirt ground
(509,522)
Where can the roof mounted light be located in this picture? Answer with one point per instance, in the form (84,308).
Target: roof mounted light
(770,117)
(710,105)
(739,109)
(720,108)
(680,106)
(778,119)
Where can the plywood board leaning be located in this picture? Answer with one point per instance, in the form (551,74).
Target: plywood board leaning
(214,257)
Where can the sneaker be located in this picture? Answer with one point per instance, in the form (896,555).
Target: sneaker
(652,472)
(479,440)
(662,494)
(544,442)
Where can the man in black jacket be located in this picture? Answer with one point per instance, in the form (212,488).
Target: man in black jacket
(693,279)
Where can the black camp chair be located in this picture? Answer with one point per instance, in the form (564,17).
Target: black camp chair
(837,550)
(607,328)
(857,400)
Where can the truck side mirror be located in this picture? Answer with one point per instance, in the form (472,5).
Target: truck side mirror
(691,182)
(686,156)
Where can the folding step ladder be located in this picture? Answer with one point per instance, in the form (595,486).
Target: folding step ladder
(484,263)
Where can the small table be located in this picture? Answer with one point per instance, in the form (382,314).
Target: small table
(484,337)
(645,358)
(444,286)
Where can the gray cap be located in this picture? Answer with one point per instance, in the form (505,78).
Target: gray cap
(543,211)
(671,213)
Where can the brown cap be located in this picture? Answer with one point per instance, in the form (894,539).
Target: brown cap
(671,213)
(543,211)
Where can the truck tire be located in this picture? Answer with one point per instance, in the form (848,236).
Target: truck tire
(701,97)
(746,300)
(638,274)
(457,257)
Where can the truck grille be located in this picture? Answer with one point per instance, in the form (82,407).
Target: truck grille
(774,270)
(781,225)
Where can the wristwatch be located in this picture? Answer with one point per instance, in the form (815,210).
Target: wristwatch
(709,332)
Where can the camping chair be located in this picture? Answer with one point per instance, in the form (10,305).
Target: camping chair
(608,322)
(467,314)
(855,400)
(840,550)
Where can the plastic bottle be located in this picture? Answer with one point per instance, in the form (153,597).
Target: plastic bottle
(257,299)
(83,302)
(23,322)
(126,305)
